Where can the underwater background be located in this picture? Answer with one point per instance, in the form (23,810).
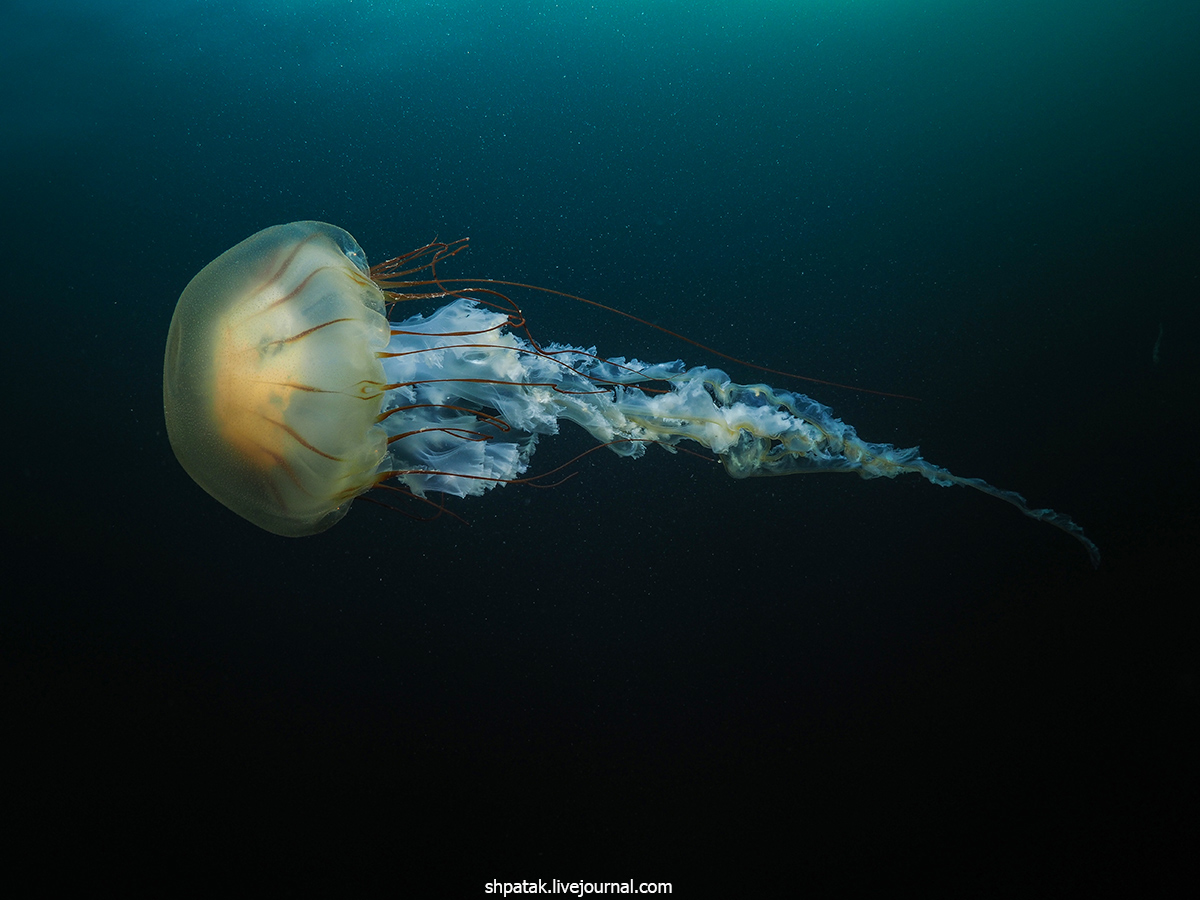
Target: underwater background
(651,671)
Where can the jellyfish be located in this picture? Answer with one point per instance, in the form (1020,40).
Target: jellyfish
(288,393)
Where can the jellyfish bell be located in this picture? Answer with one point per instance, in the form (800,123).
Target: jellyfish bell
(288,393)
(271,385)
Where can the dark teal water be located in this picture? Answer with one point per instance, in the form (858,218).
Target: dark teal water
(650,671)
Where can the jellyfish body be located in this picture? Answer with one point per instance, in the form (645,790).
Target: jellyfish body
(272,388)
(288,394)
